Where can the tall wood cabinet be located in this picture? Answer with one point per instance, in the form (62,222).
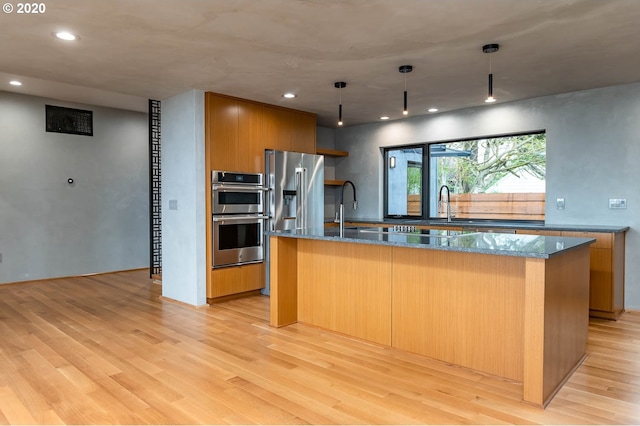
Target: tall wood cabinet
(237,131)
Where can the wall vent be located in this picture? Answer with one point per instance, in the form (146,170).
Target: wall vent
(69,120)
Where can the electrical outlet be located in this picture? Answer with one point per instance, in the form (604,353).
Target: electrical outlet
(560,203)
(617,203)
(173,204)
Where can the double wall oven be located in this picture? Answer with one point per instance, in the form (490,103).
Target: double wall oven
(237,206)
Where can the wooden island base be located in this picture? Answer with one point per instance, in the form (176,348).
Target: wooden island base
(521,318)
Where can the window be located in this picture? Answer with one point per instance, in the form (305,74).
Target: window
(499,178)
(404,181)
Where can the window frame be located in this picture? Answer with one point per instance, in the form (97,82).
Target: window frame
(426,170)
(385,152)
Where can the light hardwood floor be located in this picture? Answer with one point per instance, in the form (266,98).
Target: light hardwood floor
(106,349)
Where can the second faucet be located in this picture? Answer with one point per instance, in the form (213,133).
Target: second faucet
(448,202)
(355,204)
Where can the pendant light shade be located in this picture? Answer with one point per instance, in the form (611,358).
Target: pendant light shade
(404,69)
(490,48)
(340,85)
(490,97)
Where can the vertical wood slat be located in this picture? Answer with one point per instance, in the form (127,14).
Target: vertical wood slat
(514,206)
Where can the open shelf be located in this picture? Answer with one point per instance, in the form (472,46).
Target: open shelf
(331,152)
(333,182)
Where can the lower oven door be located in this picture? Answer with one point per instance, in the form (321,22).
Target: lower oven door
(238,240)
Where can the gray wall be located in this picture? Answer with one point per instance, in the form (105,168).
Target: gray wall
(49,228)
(593,147)
(183,184)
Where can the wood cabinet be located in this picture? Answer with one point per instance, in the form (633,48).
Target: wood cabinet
(234,134)
(250,141)
(236,279)
(515,317)
(221,131)
(303,132)
(445,228)
(606,295)
(276,134)
(345,288)
(538,232)
(237,131)
(607,273)
(289,130)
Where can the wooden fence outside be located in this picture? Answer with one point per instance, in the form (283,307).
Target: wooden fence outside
(510,206)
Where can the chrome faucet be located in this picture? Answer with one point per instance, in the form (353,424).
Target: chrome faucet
(447,203)
(355,204)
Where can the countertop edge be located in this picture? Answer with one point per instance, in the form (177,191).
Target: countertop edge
(497,225)
(496,252)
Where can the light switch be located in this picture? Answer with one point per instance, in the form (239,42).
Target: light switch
(560,203)
(173,204)
(617,203)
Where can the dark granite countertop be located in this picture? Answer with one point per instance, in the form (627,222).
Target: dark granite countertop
(493,224)
(520,245)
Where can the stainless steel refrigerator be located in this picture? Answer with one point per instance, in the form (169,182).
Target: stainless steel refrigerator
(295,198)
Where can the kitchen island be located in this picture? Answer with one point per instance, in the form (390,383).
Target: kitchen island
(607,282)
(515,306)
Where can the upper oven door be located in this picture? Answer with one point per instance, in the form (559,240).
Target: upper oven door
(237,199)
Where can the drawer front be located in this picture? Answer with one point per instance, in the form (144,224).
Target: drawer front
(445,228)
(603,240)
(538,232)
(600,285)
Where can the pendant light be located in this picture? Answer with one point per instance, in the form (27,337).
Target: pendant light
(404,69)
(340,85)
(490,48)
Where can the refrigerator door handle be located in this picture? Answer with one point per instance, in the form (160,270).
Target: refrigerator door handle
(301,202)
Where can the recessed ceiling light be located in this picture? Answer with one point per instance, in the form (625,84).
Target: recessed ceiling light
(384,117)
(289,95)
(67,36)
(433,110)
(15,83)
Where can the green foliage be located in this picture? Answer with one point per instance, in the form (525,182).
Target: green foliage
(414,179)
(491,160)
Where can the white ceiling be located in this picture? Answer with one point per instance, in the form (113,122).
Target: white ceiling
(132,50)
